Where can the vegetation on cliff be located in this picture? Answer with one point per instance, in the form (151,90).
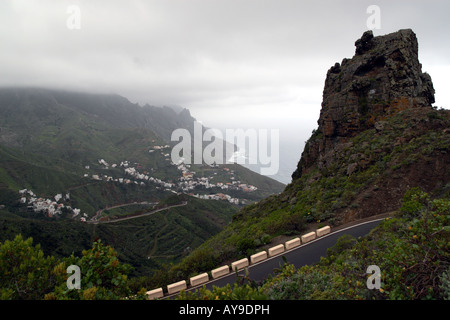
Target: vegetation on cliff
(383,170)
(411,250)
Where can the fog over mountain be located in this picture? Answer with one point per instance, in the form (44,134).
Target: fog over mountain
(233,64)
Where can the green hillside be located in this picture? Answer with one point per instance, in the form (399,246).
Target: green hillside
(146,243)
(69,132)
(66,155)
(410,248)
(329,196)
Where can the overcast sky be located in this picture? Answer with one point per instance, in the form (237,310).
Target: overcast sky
(234,64)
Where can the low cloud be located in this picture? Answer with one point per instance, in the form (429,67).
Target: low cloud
(233,63)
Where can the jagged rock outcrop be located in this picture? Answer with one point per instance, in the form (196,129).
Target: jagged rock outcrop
(384,77)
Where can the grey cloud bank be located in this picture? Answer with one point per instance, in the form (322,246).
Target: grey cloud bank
(234,64)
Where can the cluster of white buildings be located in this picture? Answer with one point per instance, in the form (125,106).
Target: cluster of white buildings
(217,196)
(185,184)
(140,176)
(187,181)
(160,147)
(49,206)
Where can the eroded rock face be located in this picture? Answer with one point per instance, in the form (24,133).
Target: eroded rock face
(383,77)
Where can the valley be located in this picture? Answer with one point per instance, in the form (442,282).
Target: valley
(67,159)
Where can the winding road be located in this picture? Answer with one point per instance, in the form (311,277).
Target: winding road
(95,221)
(305,254)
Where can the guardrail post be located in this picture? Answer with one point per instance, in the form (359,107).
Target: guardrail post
(155,294)
(308,237)
(292,243)
(276,250)
(176,287)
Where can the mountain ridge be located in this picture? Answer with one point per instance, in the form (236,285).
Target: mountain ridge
(112,109)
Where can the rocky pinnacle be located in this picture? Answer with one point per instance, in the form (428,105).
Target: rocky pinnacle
(383,77)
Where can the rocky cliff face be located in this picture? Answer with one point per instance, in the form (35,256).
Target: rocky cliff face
(384,77)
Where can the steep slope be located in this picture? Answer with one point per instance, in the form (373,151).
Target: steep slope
(81,127)
(376,111)
(378,136)
(105,109)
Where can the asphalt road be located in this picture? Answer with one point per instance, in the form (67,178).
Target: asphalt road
(306,254)
(94,221)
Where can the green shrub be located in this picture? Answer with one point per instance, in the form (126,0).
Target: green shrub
(103,277)
(414,202)
(25,274)
(308,284)
(244,246)
(237,292)
(445,284)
